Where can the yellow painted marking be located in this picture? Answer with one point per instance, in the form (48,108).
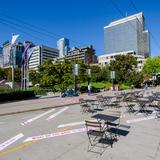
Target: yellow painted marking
(26,144)
(21,146)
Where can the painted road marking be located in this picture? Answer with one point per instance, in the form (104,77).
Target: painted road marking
(10,141)
(57,113)
(21,146)
(71,124)
(56,134)
(37,117)
(141,119)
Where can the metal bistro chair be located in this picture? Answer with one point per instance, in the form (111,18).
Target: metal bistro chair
(95,132)
(85,107)
(112,127)
(101,100)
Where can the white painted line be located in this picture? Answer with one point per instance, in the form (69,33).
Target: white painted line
(141,119)
(57,113)
(10,141)
(37,117)
(56,134)
(71,124)
(26,117)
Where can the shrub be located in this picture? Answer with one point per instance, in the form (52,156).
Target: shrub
(11,95)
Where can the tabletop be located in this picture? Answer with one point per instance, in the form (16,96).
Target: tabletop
(105,117)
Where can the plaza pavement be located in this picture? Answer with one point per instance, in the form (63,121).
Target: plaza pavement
(47,102)
(39,137)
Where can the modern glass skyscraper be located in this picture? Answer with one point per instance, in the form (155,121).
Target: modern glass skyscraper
(17,53)
(127,34)
(63,46)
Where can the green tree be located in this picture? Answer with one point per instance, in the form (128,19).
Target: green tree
(34,77)
(124,66)
(17,74)
(63,74)
(95,70)
(2,73)
(82,75)
(152,65)
(46,74)
(104,74)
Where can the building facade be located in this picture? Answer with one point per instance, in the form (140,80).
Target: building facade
(6,54)
(127,34)
(40,55)
(1,57)
(86,54)
(106,58)
(63,47)
(17,54)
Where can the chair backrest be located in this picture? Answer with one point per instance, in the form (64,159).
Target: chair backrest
(93,124)
(81,100)
(99,98)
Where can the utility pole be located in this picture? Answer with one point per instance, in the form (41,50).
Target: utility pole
(12,55)
(13,60)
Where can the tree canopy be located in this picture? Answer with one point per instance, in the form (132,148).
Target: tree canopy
(152,65)
(124,66)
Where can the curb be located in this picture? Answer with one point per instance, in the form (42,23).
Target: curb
(37,109)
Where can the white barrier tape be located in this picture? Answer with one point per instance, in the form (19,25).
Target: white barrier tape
(141,119)
(71,124)
(56,134)
(37,117)
(10,141)
(57,113)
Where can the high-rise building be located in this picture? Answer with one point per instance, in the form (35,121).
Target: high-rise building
(40,55)
(85,54)
(6,54)
(1,57)
(17,53)
(63,46)
(127,34)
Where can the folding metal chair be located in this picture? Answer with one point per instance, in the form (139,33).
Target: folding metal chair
(95,132)
(114,125)
(100,100)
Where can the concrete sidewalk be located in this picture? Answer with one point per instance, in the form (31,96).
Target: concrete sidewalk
(44,102)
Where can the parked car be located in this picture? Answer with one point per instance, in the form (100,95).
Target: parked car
(69,93)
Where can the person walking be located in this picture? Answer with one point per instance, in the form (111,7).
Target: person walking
(89,89)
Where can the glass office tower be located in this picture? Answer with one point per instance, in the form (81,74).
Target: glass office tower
(127,34)
(63,46)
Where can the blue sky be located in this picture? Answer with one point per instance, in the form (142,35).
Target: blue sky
(81,21)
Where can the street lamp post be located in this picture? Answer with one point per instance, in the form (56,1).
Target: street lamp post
(12,59)
(12,55)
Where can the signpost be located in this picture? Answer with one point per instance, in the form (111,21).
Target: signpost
(89,75)
(75,71)
(113,76)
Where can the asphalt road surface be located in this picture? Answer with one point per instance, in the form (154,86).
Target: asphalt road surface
(59,134)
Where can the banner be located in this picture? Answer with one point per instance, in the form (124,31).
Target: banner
(14,38)
(29,53)
(26,45)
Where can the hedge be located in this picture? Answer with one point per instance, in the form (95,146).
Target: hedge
(16,95)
